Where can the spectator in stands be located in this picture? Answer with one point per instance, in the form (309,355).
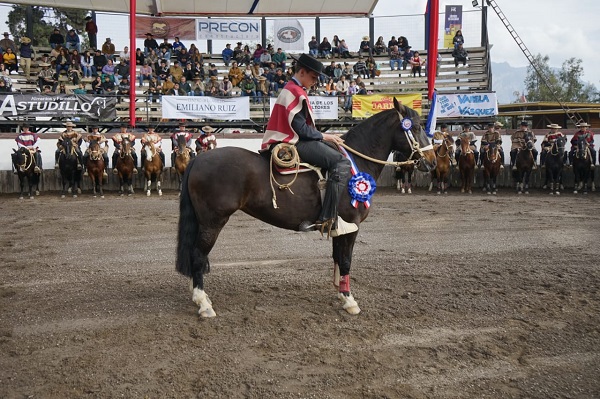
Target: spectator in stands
(365,46)
(348,71)
(164,55)
(352,90)
(212,88)
(176,72)
(337,72)
(5,75)
(213,71)
(166,46)
(154,88)
(153,60)
(262,88)
(125,55)
(189,72)
(26,54)
(279,81)
(416,63)
(341,86)
(249,88)
(167,85)
(380,47)
(55,52)
(47,90)
(362,90)
(72,41)
(140,58)
(227,54)
(257,53)
(313,47)
(109,70)
(458,38)
(92,31)
(329,70)
(197,86)
(185,86)
(394,58)
(108,85)
(150,43)
(63,61)
(270,49)
(200,70)
(335,46)
(46,76)
(99,62)
(372,68)
(226,88)
(87,64)
(74,71)
(195,54)
(80,89)
(56,39)
(265,59)
(343,49)
(121,70)
(183,57)
(279,58)
(460,55)
(393,42)
(407,54)
(330,89)
(258,70)
(325,48)
(178,45)
(145,73)
(108,49)
(246,57)
(9,59)
(177,90)
(4,88)
(97,85)
(235,74)
(360,68)
(402,43)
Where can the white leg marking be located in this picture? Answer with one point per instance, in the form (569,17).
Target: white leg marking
(350,305)
(201,299)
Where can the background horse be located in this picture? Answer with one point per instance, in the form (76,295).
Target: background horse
(153,167)
(125,167)
(220,182)
(70,175)
(491,167)
(466,165)
(582,165)
(555,160)
(441,173)
(182,158)
(524,162)
(403,174)
(24,163)
(95,167)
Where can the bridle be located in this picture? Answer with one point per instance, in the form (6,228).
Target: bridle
(25,165)
(446,146)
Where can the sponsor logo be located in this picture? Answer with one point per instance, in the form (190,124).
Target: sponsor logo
(289,34)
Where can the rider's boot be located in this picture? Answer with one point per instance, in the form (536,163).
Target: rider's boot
(85,161)
(173,162)
(56,155)
(135,162)
(329,220)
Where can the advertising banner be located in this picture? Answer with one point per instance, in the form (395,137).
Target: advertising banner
(166,28)
(453,22)
(466,105)
(227,109)
(289,35)
(364,106)
(59,106)
(323,107)
(228,29)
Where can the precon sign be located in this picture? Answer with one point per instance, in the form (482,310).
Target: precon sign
(228,29)
(59,106)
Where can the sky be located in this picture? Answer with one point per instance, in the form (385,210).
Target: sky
(557,28)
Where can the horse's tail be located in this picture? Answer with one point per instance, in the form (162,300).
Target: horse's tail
(188,228)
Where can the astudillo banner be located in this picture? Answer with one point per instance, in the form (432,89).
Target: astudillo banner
(364,106)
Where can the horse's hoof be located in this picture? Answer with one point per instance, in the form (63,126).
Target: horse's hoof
(102,196)
(409,191)
(147,193)
(526,192)
(439,192)
(557,193)
(74,195)
(494,193)
(37,192)
(94,196)
(519,193)
(69,190)
(544,187)
(462,190)
(78,191)
(21,197)
(551,193)
(470,192)
(350,304)
(575,192)
(62,196)
(160,193)
(207,313)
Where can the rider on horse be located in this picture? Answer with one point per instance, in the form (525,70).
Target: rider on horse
(519,140)
(27,139)
(188,142)
(492,135)
(103,143)
(76,139)
(117,140)
(292,122)
(154,138)
(472,140)
(583,131)
(438,139)
(207,140)
(548,141)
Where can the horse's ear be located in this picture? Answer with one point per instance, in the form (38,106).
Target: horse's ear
(15,151)
(399,107)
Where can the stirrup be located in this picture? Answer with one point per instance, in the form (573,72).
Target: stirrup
(135,171)
(37,170)
(342,228)
(85,173)
(115,171)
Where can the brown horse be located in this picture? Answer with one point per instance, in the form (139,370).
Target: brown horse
(466,165)
(524,162)
(222,181)
(182,158)
(444,154)
(491,167)
(125,167)
(404,174)
(153,167)
(582,166)
(95,167)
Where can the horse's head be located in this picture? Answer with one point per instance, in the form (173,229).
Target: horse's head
(414,138)
(465,144)
(150,150)
(529,144)
(559,144)
(68,146)
(448,142)
(181,144)
(125,146)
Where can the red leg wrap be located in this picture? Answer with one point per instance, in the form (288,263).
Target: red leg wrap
(345,283)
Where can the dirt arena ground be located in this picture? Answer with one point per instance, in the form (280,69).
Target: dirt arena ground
(461,296)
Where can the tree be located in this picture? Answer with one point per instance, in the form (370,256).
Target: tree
(566,84)
(45,20)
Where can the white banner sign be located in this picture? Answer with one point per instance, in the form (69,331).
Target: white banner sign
(183,107)
(228,29)
(466,105)
(323,107)
(289,34)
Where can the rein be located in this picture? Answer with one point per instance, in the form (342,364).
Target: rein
(24,166)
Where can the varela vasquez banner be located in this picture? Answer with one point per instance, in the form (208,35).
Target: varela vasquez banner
(227,109)
(364,106)
(59,106)
(466,105)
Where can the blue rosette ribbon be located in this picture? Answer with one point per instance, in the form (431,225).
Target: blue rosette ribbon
(361,188)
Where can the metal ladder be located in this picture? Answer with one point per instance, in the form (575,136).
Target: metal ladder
(573,116)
